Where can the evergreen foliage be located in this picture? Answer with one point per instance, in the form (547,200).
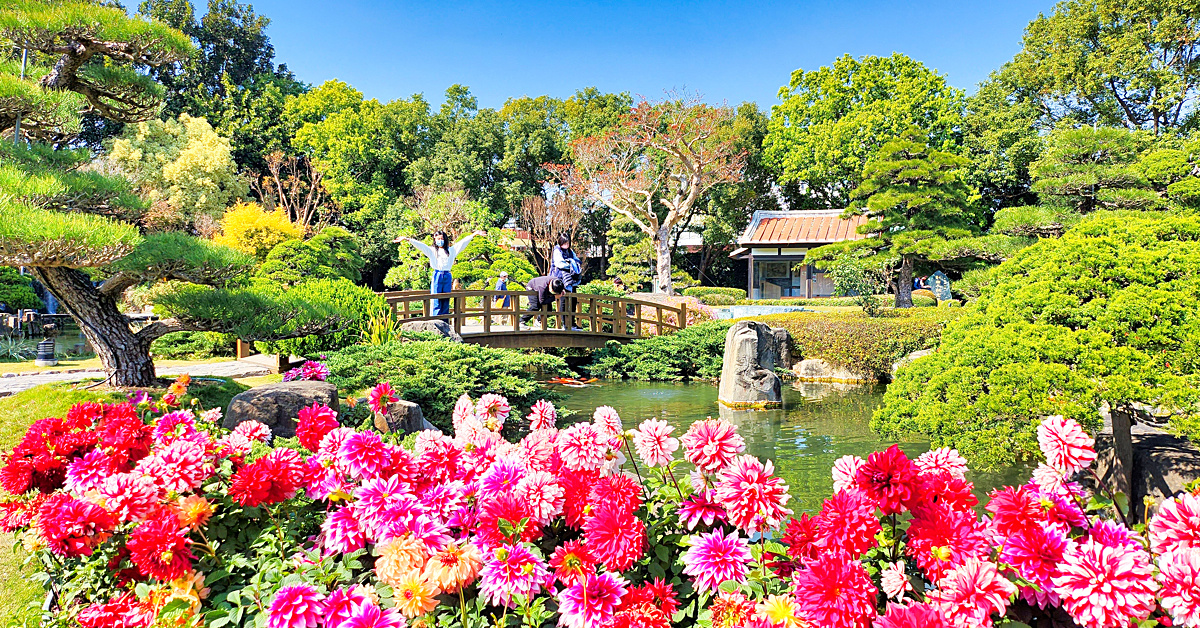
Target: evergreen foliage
(16,291)
(334,252)
(250,229)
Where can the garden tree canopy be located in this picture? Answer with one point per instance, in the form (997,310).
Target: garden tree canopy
(1111,62)
(53,221)
(16,291)
(833,119)
(1106,314)
(916,199)
(653,169)
(334,252)
(1001,139)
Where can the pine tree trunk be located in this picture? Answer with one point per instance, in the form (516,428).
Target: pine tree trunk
(662,254)
(904,283)
(125,356)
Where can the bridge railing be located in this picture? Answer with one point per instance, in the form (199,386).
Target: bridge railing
(596,315)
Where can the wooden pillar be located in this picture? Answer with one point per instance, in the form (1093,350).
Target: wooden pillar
(750,276)
(243,349)
(683,315)
(1122,470)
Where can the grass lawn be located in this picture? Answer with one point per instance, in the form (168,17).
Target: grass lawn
(22,409)
(27,366)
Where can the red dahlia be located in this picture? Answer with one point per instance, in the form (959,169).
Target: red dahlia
(72,527)
(889,478)
(314,423)
(271,479)
(159,548)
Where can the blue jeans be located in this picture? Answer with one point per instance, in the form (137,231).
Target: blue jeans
(443,281)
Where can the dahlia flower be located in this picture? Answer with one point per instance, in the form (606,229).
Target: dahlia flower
(711,444)
(654,443)
(752,496)
(607,422)
(192,511)
(911,616)
(1066,446)
(123,610)
(313,423)
(1179,574)
(943,459)
(591,602)
(181,466)
(572,562)
(380,397)
(542,415)
(342,603)
(493,411)
(254,430)
(889,478)
(582,448)
(271,479)
(371,616)
(159,548)
(835,591)
(730,610)
(1104,586)
(971,593)
(414,595)
(502,477)
(781,611)
(464,409)
(342,534)
(1176,525)
(621,492)
(657,592)
(894,581)
(173,426)
(845,472)
(512,570)
(543,494)
(88,472)
(125,437)
(364,455)
(803,538)
(453,567)
(940,539)
(129,496)
(1112,534)
(1014,510)
(714,558)
(507,507)
(847,522)
(71,527)
(1035,553)
(700,507)
(298,606)
(1049,480)
(614,537)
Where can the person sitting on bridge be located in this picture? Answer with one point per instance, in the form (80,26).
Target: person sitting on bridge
(545,291)
(441,260)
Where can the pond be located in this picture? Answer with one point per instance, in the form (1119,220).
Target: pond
(817,424)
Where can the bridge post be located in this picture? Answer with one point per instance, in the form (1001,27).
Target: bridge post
(682,315)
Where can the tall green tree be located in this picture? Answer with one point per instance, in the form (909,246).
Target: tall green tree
(57,219)
(1001,138)
(1086,169)
(1112,62)
(916,200)
(831,120)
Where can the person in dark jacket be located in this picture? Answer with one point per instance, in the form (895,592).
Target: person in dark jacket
(565,265)
(545,291)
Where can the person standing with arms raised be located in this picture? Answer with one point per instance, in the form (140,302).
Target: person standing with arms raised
(441,259)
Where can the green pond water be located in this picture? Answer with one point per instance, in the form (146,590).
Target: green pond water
(817,424)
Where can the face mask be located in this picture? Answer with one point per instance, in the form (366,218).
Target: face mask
(440,242)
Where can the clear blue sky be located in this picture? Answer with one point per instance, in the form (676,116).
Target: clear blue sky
(728,51)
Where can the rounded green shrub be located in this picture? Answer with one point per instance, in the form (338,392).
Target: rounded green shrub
(700,291)
(355,302)
(718,299)
(695,352)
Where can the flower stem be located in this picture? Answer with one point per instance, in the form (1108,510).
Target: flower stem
(462,605)
(674,481)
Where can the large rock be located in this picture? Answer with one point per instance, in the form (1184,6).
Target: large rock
(403,417)
(748,378)
(441,328)
(818,370)
(278,405)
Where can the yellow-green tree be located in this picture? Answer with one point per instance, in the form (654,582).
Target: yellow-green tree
(250,229)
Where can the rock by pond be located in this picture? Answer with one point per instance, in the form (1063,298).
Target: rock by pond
(278,405)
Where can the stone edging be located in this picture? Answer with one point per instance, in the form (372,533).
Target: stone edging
(51,372)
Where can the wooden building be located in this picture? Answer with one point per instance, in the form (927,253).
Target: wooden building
(776,243)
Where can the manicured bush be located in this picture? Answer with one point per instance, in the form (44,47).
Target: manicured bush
(434,374)
(860,343)
(602,288)
(16,291)
(692,353)
(718,299)
(334,252)
(924,293)
(355,302)
(700,291)
(194,345)
(1108,314)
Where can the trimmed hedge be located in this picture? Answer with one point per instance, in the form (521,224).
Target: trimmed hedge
(717,299)
(701,291)
(859,343)
(692,353)
(434,374)
(195,345)
(885,299)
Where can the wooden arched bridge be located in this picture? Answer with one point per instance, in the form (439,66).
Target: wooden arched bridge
(481,317)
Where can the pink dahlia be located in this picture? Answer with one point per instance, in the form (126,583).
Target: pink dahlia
(364,455)
(1176,525)
(173,426)
(253,430)
(89,471)
(835,591)
(342,533)
(754,498)
(614,537)
(512,570)
(591,602)
(700,507)
(298,606)
(313,423)
(371,616)
(502,477)
(711,444)
(380,505)
(129,496)
(894,581)
(542,416)
(493,410)
(342,603)
(1066,446)
(1179,574)
(1035,554)
(572,563)
(1112,534)
(714,558)
(1014,510)
(542,492)
(940,539)
(269,480)
(464,409)
(943,459)
(582,448)
(845,472)
(803,538)
(381,396)
(889,478)
(971,593)
(1049,480)
(181,466)
(847,522)
(911,616)
(607,422)
(1104,586)
(654,443)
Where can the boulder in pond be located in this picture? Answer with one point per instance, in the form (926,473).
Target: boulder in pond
(818,370)
(278,405)
(748,378)
(441,328)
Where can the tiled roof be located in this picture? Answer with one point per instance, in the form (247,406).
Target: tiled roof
(802,226)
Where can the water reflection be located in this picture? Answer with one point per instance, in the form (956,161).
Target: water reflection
(817,424)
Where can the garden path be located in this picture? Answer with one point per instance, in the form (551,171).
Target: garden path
(10,385)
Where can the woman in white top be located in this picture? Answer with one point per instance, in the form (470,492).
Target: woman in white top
(441,259)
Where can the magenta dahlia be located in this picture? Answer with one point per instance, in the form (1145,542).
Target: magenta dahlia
(971,593)
(380,397)
(298,606)
(592,601)
(1103,586)
(129,496)
(89,471)
(72,527)
(1035,553)
(714,558)
(835,591)
(512,570)
(160,548)
(341,530)
(364,455)
(752,496)
(711,444)
(700,507)
(911,616)
(614,537)
(847,522)
(313,423)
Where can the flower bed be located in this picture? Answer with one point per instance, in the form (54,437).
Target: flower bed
(144,512)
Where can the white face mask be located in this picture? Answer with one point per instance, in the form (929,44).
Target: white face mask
(439,242)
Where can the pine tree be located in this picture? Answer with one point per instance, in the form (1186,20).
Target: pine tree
(72,226)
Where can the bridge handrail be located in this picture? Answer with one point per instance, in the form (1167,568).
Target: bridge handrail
(617,317)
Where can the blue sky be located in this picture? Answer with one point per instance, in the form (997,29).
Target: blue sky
(728,51)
